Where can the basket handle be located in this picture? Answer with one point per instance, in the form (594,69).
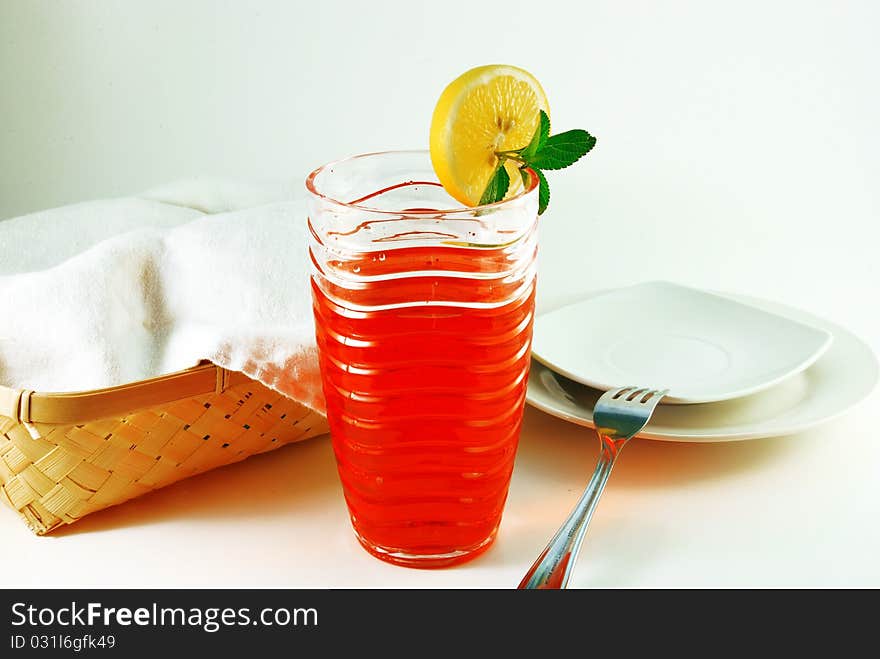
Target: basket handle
(79,407)
(10,403)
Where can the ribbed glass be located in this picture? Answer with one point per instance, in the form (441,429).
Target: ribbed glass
(423,315)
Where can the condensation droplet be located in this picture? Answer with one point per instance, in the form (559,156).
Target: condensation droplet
(356,268)
(382,256)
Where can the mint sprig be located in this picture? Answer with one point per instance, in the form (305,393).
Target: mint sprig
(543,152)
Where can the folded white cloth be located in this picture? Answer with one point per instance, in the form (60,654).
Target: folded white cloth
(103,293)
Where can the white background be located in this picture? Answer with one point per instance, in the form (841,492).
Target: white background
(738,150)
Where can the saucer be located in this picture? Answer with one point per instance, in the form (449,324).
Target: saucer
(700,346)
(845,375)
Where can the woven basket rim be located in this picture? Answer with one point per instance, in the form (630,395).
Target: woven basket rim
(25,406)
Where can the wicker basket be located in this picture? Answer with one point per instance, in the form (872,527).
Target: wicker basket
(63,456)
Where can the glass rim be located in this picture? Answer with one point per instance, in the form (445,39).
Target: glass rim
(310,186)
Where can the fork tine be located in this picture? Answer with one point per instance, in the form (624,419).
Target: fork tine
(617,393)
(652,396)
(638,393)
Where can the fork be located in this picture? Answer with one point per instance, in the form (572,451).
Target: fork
(619,415)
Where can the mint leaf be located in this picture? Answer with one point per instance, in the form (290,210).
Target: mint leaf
(542,132)
(497,186)
(544,151)
(562,150)
(543,192)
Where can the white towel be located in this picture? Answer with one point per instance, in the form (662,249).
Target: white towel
(108,292)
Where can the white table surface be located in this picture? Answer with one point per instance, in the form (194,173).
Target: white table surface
(800,510)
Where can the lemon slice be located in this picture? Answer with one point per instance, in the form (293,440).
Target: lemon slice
(487,109)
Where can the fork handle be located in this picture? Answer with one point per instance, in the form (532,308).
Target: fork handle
(553,567)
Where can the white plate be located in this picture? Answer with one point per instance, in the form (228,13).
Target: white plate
(844,376)
(700,346)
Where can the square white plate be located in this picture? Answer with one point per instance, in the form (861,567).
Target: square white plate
(701,346)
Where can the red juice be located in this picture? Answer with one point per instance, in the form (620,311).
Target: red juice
(425,397)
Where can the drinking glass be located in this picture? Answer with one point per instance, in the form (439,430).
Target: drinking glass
(423,315)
